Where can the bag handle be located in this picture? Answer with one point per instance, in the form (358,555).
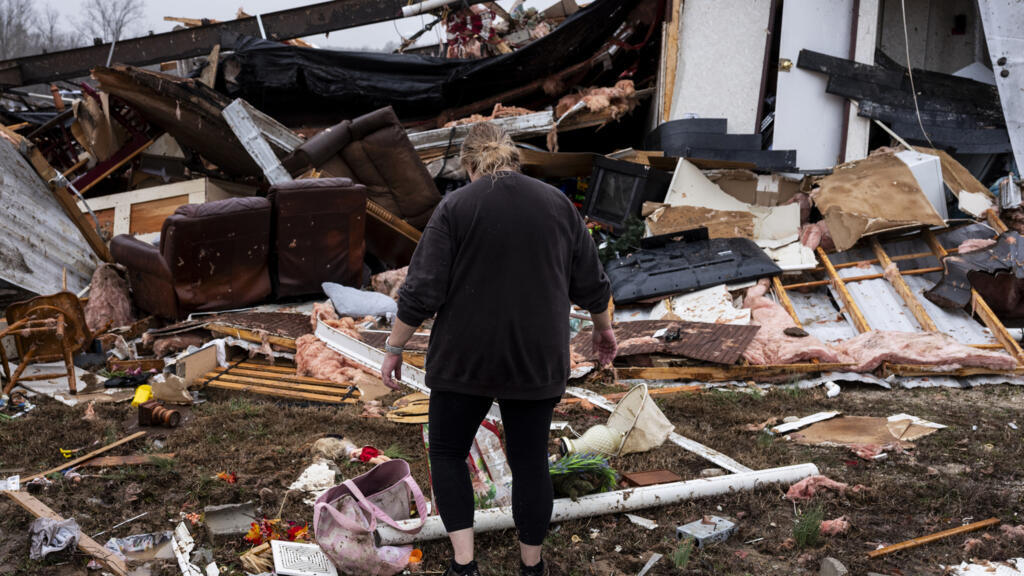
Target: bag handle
(342,520)
(375,512)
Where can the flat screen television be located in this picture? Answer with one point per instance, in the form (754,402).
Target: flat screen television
(618,190)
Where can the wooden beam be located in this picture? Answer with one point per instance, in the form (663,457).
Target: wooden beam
(86,544)
(851,307)
(995,221)
(278,384)
(278,376)
(916,370)
(130,460)
(250,336)
(209,75)
(671,57)
(722,373)
(289,394)
(915,542)
(780,292)
(980,307)
(88,456)
(850,279)
(901,287)
(115,166)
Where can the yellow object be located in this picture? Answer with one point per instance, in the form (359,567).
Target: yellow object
(66,453)
(416,556)
(143,394)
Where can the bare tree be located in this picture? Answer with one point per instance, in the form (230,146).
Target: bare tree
(111,19)
(50,37)
(17,18)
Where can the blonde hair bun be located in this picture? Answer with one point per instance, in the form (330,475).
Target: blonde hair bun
(488,149)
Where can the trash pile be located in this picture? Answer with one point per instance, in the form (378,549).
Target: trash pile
(238,223)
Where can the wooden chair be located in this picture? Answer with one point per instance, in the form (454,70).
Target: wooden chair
(45,329)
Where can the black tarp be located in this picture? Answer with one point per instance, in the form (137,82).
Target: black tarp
(286,80)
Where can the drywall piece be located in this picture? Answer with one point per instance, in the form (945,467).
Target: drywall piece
(975,203)
(807,119)
(182,544)
(314,481)
(1004,33)
(609,502)
(230,519)
(773,226)
(1011,567)
(805,421)
(858,129)
(927,170)
(871,195)
(712,305)
(793,257)
(721,61)
(38,242)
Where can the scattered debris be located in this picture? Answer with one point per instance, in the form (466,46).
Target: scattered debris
(915,542)
(708,530)
(807,488)
(229,519)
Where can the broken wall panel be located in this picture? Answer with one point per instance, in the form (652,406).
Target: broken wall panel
(38,242)
(721,61)
(1004,33)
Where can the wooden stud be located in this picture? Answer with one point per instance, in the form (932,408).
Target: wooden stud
(289,394)
(995,221)
(851,307)
(981,307)
(130,460)
(88,456)
(672,57)
(915,542)
(901,287)
(86,544)
(117,166)
(849,279)
(277,384)
(723,373)
(780,292)
(250,336)
(279,377)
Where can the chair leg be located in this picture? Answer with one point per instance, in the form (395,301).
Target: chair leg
(22,364)
(70,365)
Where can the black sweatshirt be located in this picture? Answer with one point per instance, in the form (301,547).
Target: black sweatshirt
(499,263)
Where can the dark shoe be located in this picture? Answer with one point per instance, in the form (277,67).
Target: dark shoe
(539,569)
(470,569)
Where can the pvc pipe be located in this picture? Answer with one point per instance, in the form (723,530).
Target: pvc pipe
(609,502)
(422,7)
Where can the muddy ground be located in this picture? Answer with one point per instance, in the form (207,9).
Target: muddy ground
(957,474)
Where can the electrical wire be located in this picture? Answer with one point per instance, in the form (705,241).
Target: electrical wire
(910,73)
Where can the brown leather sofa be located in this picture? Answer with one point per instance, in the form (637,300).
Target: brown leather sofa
(375,151)
(211,256)
(318,234)
(238,252)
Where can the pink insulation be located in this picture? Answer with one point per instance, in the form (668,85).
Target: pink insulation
(771,345)
(389,282)
(816,234)
(975,244)
(835,527)
(808,487)
(313,358)
(109,303)
(870,349)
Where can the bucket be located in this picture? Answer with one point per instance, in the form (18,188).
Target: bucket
(640,421)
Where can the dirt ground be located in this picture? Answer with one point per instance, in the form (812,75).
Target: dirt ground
(970,470)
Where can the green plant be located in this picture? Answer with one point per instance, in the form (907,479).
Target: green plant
(394,452)
(681,555)
(765,440)
(807,529)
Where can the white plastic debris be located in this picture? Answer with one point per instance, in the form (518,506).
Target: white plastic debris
(1012,567)
(832,389)
(802,422)
(1012,425)
(49,535)
(641,521)
(314,481)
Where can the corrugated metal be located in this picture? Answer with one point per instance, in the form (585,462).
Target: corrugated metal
(37,240)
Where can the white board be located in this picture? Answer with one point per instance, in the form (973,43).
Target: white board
(807,119)
(721,61)
(1004,32)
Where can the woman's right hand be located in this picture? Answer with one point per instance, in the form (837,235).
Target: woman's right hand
(391,371)
(605,346)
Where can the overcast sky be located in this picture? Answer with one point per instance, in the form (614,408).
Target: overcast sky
(374,36)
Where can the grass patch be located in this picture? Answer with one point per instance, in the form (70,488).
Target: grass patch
(681,555)
(807,530)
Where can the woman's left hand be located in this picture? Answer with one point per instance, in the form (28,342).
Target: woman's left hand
(391,371)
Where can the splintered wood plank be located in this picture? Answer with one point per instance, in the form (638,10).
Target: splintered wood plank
(86,544)
(147,217)
(901,287)
(915,542)
(250,336)
(278,377)
(722,373)
(88,456)
(278,384)
(981,307)
(780,292)
(279,393)
(848,303)
(130,460)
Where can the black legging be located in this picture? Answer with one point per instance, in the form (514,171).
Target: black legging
(454,420)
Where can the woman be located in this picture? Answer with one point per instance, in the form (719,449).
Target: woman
(499,263)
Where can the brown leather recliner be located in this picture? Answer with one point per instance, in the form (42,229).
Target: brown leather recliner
(375,151)
(318,227)
(212,256)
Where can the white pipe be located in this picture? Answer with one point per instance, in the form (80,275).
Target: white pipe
(609,502)
(422,7)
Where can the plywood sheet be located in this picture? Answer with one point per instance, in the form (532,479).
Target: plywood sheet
(148,217)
